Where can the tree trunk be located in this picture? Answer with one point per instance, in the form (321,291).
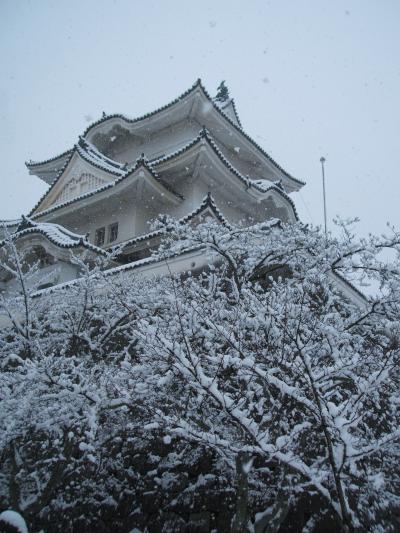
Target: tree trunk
(239,521)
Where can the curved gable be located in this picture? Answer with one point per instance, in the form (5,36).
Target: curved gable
(78,177)
(204,146)
(195,105)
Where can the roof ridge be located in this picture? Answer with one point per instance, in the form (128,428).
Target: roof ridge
(227,103)
(140,162)
(207,201)
(10,223)
(75,150)
(146,115)
(246,180)
(86,156)
(250,139)
(239,128)
(88,147)
(197,84)
(47,229)
(31,164)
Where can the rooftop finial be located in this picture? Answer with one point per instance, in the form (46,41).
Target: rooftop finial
(203,132)
(223,92)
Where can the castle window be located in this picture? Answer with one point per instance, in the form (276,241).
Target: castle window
(113,232)
(100,236)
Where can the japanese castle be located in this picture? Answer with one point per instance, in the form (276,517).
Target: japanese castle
(189,159)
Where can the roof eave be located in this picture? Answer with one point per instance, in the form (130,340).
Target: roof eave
(101,193)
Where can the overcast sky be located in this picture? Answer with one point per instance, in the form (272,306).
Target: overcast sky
(309,78)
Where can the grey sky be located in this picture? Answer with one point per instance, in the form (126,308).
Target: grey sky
(309,78)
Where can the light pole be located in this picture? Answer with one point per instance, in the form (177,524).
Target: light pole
(323,188)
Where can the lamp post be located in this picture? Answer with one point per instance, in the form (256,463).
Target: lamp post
(323,188)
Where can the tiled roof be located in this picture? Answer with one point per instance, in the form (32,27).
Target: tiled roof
(9,223)
(207,202)
(198,84)
(140,162)
(223,105)
(33,164)
(247,182)
(143,262)
(147,115)
(55,233)
(91,155)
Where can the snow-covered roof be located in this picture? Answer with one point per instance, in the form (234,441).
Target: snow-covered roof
(9,223)
(130,120)
(32,164)
(92,155)
(87,152)
(206,205)
(49,168)
(265,185)
(261,186)
(228,106)
(221,108)
(122,175)
(152,260)
(56,234)
(14,520)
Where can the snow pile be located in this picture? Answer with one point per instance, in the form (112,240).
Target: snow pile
(90,152)
(266,185)
(12,519)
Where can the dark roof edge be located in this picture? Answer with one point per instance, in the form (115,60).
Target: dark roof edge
(140,162)
(75,150)
(204,134)
(250,139)
(58,176)
(235,111)
(351,285)
(196,85)
(33,164)
(207,202)
(75,244)
(146,115)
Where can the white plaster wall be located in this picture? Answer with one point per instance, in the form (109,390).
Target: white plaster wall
(132,215)
(122,213)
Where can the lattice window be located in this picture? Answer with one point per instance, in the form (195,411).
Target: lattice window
(76,186)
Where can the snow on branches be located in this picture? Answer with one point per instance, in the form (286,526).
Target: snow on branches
(268,357)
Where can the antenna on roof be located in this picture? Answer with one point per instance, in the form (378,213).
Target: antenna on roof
(323,189)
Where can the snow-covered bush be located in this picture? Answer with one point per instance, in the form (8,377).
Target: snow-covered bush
(268,359)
